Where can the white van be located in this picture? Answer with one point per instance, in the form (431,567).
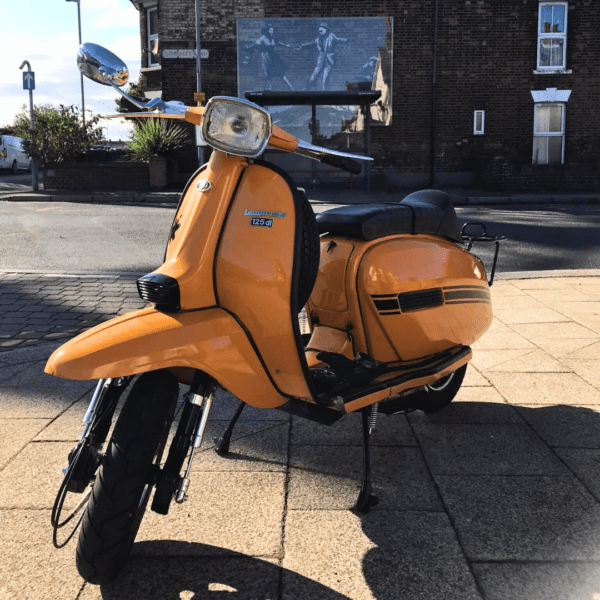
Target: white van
(12,154)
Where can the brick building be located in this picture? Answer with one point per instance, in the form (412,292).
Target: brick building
(494,94)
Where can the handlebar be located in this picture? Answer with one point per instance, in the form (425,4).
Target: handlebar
(342,162)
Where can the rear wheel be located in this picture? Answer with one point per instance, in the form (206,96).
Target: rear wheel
(126,476)
(440,393)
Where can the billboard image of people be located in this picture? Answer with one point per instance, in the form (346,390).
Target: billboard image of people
(305,54)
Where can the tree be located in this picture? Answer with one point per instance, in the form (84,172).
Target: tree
(156,137)
(59,133)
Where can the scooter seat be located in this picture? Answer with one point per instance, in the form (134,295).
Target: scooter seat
(424,212)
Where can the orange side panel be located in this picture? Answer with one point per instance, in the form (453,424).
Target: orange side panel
(254,272)
(191,251)
(146,340)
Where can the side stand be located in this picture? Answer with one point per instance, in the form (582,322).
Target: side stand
(222,443)
(365,498)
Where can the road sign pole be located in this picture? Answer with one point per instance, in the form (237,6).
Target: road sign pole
(34,174)
(29,84)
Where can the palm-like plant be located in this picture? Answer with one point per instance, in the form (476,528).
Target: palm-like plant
(156,137)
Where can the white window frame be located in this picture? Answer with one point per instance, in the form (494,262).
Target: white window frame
(547,134)
(550,35)
(152,58)
(480,131)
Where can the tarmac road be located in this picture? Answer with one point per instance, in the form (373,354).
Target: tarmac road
(117,238)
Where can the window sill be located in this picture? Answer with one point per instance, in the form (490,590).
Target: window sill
(150,69)
(552,71)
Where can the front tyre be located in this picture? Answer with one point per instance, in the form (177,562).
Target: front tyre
(124,482)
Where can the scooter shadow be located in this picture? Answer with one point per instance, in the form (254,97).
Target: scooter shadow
(185,571)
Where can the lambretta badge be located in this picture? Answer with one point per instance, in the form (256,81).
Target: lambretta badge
(203,185)
(264,213)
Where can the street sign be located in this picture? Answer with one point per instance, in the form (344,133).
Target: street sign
(28,80)
(199,97)
(184,53)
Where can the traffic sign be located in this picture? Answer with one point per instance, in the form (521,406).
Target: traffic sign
(28,80)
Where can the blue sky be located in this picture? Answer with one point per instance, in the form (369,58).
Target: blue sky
(45,33)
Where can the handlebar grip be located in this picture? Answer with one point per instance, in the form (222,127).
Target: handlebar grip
(341,162)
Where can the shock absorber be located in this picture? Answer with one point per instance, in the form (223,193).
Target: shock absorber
(373,412)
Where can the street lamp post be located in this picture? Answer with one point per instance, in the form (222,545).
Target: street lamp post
(80,74)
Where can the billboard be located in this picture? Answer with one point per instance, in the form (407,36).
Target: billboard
(338,54)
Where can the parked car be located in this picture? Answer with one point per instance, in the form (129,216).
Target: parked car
(13,155)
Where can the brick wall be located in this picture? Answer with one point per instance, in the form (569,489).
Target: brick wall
(97,176)
(486,58)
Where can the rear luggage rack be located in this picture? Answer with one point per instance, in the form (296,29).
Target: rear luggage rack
(484,238)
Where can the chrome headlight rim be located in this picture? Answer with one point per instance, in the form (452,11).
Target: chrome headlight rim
(240,101)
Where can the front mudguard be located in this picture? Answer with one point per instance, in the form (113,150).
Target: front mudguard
(210,340)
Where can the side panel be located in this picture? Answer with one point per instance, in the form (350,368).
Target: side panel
(146,340)
(421,295)
(254,272)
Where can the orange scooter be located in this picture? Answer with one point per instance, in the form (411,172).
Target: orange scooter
(392,299)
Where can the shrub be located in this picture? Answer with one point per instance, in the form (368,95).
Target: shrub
(59,133)
(156,137)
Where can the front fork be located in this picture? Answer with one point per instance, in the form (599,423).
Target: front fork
(189,433)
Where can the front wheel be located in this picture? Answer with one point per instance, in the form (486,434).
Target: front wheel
(124,482)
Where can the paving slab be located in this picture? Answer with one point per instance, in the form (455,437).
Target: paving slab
(328,478)
(536,361)
(31,480)
(564,426)
(559,348)
(232,576)
(21,402)
(586,369)
(486,449)
(19,356)
(502,289)
(474,378)
(585,463)
(485,359)
(517,303)
(549,388)
(255,446)
(530,315)
(382,555)
(16,434)
(566,331)
(523,518)
(548,581)
(550,283)
(390,431)
(30,567)
(239,512)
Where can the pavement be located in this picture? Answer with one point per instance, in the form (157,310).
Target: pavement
(459,196)
(497,497)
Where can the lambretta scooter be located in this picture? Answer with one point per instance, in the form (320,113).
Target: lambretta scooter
(392,300)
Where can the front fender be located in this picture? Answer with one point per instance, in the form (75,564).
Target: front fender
(210,340)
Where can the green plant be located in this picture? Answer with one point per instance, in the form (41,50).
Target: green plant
(156,137)
(59,133)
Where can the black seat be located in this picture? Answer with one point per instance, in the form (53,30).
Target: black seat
(426,212)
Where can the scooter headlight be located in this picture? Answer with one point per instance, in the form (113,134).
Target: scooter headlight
(236,126)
